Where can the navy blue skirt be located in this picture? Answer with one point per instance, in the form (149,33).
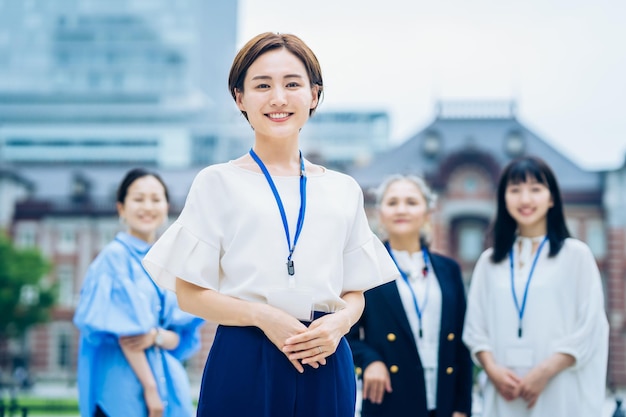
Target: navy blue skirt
(247,376)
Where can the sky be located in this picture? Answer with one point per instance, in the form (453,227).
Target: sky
(562,61)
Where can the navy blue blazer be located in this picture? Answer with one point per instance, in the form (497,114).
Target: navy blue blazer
(383,334)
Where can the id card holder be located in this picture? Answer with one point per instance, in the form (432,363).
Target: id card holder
(519,357)
(297,302)
(428,356)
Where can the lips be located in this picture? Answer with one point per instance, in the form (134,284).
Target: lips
(278,116)
(526,211)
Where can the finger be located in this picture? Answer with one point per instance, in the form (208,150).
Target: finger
(316,354)
(378,394)
(297,365)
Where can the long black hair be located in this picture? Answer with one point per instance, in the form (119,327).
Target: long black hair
(504,227)
(133,175)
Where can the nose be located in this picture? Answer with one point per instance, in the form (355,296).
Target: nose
(525,196)
(401,208)
(279,97)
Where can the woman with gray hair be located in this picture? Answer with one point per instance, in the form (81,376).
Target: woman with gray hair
(407,345)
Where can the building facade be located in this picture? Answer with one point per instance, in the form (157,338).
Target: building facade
(121,81)
(461,154)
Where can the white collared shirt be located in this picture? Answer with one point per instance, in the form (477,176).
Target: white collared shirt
(413,265)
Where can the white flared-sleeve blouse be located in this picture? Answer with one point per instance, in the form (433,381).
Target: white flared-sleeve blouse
(230,238)
(564,314)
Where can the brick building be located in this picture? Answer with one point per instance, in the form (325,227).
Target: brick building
(69,213)
(461,154)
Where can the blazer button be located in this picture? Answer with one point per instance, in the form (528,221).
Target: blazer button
(391,337)
(449,370)
(358,371)
(393,369)
(450,337)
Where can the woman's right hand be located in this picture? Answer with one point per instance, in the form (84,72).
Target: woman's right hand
(153,402)
(506,382)
(278,326)
(376,382)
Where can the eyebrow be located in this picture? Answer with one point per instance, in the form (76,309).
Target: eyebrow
(267,77)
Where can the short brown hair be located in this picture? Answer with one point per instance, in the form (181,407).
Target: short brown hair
(269,41)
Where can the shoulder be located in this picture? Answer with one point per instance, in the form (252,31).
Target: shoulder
(112,252)
(573,244)
(573,247)
(443,259)
(342,180)
(112,260)
(213,171)
(217,177)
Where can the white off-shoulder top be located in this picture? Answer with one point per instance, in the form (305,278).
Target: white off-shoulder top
(230,238)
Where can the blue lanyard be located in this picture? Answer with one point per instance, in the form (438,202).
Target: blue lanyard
(406,279)
(160,292)
(520,311)
(281,208)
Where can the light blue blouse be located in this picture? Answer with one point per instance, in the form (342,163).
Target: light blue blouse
(118,298)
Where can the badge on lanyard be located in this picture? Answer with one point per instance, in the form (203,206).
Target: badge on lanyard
(521,309)
(290,265)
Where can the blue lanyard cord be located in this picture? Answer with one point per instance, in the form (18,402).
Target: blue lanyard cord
(406,280)
(281,208)
(520,311)
(160,292)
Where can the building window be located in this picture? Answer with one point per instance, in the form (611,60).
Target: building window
(26,236)
(65,280)
(61,355)
(471,237)
(67,239)
(64,351)
(596,237)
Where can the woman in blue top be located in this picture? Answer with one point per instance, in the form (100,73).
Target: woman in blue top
(133,335)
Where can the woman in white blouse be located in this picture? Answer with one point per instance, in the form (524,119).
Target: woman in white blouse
(408,341)
(535,320)
(276,250)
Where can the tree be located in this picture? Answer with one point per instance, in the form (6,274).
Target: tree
(24,299)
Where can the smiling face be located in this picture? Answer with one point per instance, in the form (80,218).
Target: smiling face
(528,203)
(144,208)
(403,210)
(277,95)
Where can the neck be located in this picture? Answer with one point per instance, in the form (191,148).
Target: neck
(533,231)
(281,156)
(146,237)
(409,244)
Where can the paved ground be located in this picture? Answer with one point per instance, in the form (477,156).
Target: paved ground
(64,391)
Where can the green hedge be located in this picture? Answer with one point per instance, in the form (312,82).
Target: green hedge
(43,406)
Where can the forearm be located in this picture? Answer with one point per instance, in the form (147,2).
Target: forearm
(486,360)
(170,339)
(355,303)
(556,363)
(219,308)
(139,364)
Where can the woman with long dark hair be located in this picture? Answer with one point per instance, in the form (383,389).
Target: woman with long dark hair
(535,319)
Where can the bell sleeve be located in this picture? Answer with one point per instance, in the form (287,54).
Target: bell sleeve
(110,304)
(366,262)
(475,330)
(589,340)
(190,248)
